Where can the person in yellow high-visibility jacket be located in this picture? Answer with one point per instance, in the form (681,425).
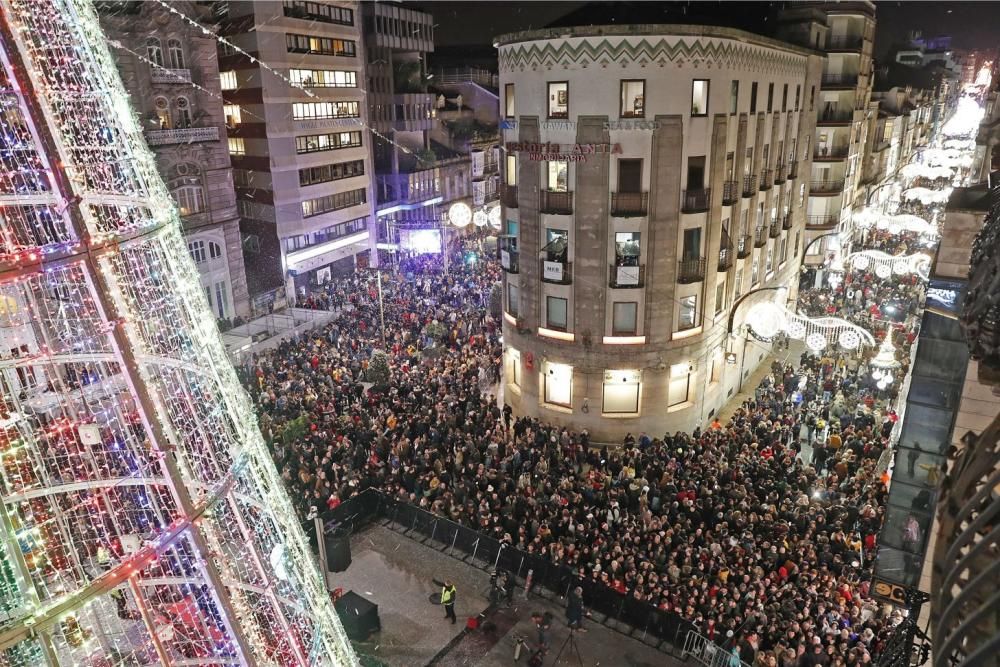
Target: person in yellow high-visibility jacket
(448,592)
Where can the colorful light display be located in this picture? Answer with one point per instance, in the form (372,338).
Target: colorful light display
(143,519)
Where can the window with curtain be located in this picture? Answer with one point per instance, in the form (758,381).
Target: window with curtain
(176,53)
(154,51)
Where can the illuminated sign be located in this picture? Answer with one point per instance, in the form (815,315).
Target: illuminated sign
(538,152)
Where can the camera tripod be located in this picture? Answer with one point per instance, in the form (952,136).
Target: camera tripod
(574,649)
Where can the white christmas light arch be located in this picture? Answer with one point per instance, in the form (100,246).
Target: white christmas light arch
(767,319)
(874,260)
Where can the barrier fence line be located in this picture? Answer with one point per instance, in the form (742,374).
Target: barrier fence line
(548,579)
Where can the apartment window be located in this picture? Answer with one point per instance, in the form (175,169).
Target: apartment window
(812,98)
(221,299)
(237,146)
(322,110)
(214,250)
(233,116)
(623,318)
(154,51)
(323,78)
(558,99)
(734,97)
(815,248)
(183,112)
(629,175)
(691,248)
(755,268)
(508,100)
(627,248)
(513,300)
(316,11)
(716,373)
(176,53)
(315,143)
(720,296)
(227,80)
(770,97)
(802,194)
(633,97)
(784,248)
(326,234)
(512,367)
(621,392)
(556,312)
(680,384)
(753,97)
(321,46)
(558,384)
(511,170)
(163,113)
(784,97)
(197,251)
(190,199)
(687,316)
(798,95)
(748,161)
(795,248)
(738,284)
(699,97)
(331,172)
(334,202)
(769,265)
(557,176)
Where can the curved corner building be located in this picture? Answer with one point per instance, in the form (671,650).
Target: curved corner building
(144,522)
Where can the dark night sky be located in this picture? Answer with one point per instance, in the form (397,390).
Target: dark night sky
(971,24)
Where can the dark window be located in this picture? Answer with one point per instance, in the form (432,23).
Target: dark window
(812,98)
(770,97)
(333,202)
(753,97)
(696,173)
(629,175)
(784,98)
(798,95)
(315,11)
(316,143)
(331,172)
(734,96)
(692,243)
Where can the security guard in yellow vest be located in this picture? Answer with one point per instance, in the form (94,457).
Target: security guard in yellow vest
(448,600)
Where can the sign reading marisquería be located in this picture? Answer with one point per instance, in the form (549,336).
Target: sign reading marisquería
(567,152)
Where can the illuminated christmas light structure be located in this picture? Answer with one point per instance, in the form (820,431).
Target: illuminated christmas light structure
(143,520)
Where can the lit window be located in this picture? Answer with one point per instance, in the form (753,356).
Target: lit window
(512,367)
(734,96)
(680,384)
(556,313)
(633,98)
(559,100)
(687,316)
(190,199)
(628,249)
(228,80)
(508,100)
(232,113)
(738,284)
(720,296)
(699,97)
(770,258)
(755,268)
(623,318)
(557,174)
(237,146)
(511,170)
(558,384)
(621,392)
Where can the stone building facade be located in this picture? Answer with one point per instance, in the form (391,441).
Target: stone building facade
(654,176)
(167,66)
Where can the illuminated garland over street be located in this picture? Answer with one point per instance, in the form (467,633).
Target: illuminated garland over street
(143,519)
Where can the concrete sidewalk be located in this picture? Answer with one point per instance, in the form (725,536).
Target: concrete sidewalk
(791,355)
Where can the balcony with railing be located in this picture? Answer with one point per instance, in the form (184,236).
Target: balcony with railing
(839,80)
(744,246)
(730,193)
(508,195)
(793,169)
(844,43)
(629,204)
(774,231)
(830,153)
(835,117)
(727,254)
(826,188)
(628,277)
(786,221)
(182,135)
(749,186)
(556,272)
(696,200)
(691,270)
(760,236)
(168,75)
(779,173)
(766,179)
(556,202)
(824,222)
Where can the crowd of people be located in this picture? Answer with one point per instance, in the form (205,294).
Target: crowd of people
(759,529)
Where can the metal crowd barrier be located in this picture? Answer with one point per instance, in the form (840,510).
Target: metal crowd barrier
(707,653)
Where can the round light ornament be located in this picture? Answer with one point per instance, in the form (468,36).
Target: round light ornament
(493,217)
(895,228)
(883,271)
(460,214)
(882,384)
(849,339)
(816,342)
(479,219)
(861,263)
(766,319)
(900,267)
(796,330)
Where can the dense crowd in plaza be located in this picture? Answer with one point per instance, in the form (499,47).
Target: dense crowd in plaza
(755,529)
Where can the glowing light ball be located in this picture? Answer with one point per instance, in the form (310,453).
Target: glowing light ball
(796,330)
(849,340)
(493,217)
(883,271)
(882,384)
(816,342)
(861,263)
(766,319)
(900,267)
(895,228)
(479,219)
(460,214)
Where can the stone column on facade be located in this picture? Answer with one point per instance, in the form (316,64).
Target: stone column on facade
(529,244)
(590,209)
(664,217)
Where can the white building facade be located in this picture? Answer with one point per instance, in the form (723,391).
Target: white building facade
(653,177)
